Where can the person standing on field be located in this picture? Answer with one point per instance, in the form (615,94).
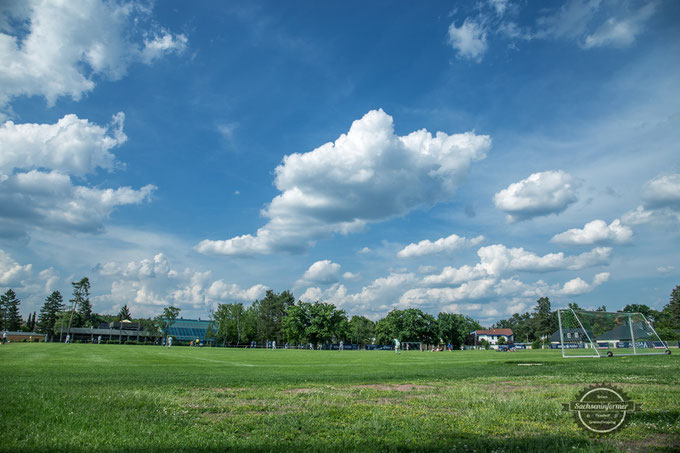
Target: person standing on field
(68,339)
(169,342)
(4,336)
(397,345)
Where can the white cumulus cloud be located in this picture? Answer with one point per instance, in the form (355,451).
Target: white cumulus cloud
(145,268)
(447,244)
(162,44)
(36,164)
(594,232)
(469,39)
(578,286)
(322,272)
(661,202)
(475,289)
(67,44)
(663,191)
(11,272)
(50,200)
(455,275)
(549,192)
(71,145)
(150,283)
(231,292)
(367,175)
(497,260)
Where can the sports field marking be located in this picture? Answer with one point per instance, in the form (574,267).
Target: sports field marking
(216,361)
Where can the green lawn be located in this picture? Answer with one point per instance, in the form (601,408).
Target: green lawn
(144,398)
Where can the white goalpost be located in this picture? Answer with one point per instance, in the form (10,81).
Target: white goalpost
(599,334)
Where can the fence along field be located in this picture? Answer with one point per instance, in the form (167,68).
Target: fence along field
(146,398)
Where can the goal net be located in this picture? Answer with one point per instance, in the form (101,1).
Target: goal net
(598,334)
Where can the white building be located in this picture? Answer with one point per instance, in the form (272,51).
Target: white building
(492,336)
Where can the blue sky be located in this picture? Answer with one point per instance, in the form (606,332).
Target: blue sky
(450,156)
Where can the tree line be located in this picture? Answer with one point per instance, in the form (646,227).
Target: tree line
(55,316)
(278,317)
(534,327)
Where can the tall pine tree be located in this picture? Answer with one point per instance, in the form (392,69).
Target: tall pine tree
(673,308)
(54,303)
(3,314)
(124,314)
(81,299)
(10,310)
(544,320)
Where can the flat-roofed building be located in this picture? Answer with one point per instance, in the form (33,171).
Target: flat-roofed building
(190,330)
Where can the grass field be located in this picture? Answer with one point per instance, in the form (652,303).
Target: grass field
(144,398)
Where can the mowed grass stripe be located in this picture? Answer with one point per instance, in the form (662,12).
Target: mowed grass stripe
(145,398)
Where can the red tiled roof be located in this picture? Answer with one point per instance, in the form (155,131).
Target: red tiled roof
(507,332)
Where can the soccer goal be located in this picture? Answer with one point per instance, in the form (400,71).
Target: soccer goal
(599,334)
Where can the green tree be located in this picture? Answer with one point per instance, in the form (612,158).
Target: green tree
(326,323)
(522,327)
(361,330)
(454,328)
(3,314)
(81,303)
(672,310)
(270,313)
(296,322)
(124,314)
(544,320)
(250,324)
(11,316)
(407,325)
(668,333)
(638,308)
(61,323)
(574,306)
(167,319)
(229,320)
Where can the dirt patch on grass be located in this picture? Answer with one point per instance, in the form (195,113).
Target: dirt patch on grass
(657,442)
(395,387)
